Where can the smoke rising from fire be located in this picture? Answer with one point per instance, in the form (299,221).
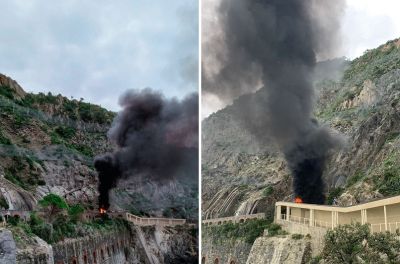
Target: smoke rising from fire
(157,139)
(269,49)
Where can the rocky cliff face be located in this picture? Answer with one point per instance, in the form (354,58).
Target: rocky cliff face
(241,177)
(149,245)
(48,143)
(362,106)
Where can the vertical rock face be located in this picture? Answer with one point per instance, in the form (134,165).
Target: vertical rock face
(165,244)
(109,248)
(278,250)
(39,253)
(148,245)
(224,251)
(7,247)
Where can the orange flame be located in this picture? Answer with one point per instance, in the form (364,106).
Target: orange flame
(102,211)
(298,200)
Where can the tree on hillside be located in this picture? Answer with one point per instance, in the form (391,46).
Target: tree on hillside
(355,244)
(53,204)
(75,212)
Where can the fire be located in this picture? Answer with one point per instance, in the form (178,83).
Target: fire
(102,211)
(298,200)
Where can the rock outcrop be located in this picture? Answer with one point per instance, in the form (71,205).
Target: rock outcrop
(279,250)
(7,247)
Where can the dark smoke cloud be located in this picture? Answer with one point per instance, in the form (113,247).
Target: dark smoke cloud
(157,139)
(273,44)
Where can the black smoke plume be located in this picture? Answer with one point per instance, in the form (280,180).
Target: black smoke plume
(272,46)
(157,139)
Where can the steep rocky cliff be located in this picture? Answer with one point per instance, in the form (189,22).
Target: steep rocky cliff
(47,144)
(360,100)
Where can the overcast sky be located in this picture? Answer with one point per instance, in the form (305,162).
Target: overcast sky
(366,24)
(99,49)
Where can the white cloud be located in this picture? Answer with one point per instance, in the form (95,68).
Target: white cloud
(368,24)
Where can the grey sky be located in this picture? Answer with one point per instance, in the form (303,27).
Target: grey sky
(99,49)
(366,24)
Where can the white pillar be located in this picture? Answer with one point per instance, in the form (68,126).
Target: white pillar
(384,212)
(362,216)
(333,219)
(311,217)
(278,212)
(288,213)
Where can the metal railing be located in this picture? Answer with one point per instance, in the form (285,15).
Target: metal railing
(382,227)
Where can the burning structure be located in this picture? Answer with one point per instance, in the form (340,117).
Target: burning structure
(156,139)
(264,58)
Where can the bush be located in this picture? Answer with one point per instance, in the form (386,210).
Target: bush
(268,191)
(389,182)
(65,132)
(355,178)
(247,231)
(333,193)
(3,203)
(4,140)
(297,236)
(355,244)
(75,212)
(7,92)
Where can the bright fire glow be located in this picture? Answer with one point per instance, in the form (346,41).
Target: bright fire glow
(102,211)
(298,200)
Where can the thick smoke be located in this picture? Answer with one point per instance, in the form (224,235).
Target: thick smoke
(157,139)
(272,46)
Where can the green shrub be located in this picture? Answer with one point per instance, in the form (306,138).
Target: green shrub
(65,132)
(75,212)
(333,193)
(248,231)
(268,191)
(356,244)
(7,92)
(13,220)
(297,236)
(3,203)
(354,179)
(4,140)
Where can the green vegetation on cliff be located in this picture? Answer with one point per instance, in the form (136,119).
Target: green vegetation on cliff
(247,231)
(57,221)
